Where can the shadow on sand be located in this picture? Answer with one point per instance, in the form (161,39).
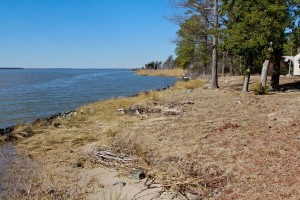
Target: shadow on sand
(295,86)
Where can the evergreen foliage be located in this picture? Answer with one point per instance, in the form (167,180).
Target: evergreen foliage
(246,29)
(153,65)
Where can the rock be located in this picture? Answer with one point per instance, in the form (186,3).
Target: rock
(6,131)
(171,112)
(120,183)
(74,113)
(188,102)
(121,110)
(271,115)
(51,119)
(137,112)
(67,114)
(79,165)
(172,196)
(132,111)
(138,175)
(164,88)
(216,192)
(191,196)
(186,78)
(57,124)
(26,132)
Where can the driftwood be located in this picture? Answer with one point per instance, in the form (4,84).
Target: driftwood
(108,156)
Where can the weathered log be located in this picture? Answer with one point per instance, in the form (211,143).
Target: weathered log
(107,155)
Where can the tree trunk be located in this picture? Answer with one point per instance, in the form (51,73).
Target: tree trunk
(276,70)
(214,70)
(223,64)
(241,65)
(231,65)
(205,53)
(264,73)
(275,76)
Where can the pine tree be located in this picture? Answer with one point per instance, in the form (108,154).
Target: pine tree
(252,25)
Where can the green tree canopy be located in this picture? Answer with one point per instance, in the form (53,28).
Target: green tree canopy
(192,43)
(252,25)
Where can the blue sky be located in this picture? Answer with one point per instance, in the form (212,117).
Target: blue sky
(84,33)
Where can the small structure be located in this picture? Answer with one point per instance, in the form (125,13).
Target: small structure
(290,61)
(296,64)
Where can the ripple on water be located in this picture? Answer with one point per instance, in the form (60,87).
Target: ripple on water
(26,95)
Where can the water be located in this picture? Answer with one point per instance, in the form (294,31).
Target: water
(32,93)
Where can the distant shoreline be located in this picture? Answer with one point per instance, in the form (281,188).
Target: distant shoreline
(11,68)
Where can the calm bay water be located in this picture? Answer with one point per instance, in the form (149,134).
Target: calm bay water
(32,93)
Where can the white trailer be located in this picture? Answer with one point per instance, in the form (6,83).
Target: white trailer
(296,62)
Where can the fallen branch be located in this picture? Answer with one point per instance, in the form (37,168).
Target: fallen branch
(109,156)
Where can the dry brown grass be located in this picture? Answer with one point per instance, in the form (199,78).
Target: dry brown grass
(81,126)
(224,145)
(177,72)
(189,85)
(98,122)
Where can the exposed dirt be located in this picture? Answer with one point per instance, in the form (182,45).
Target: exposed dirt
(217,144)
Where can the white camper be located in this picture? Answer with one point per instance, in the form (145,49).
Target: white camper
(296,65)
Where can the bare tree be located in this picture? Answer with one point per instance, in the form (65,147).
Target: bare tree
(202,35)
(214,68)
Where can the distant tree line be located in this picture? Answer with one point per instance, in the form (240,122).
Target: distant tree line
(11,68)
(153,65)
(169,63)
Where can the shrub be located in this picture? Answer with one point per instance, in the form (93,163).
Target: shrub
(259,89)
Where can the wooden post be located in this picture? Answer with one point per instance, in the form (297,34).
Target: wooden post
(264,73)
(231,65)
(246,81)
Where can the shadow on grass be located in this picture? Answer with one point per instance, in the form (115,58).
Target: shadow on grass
(290,86)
